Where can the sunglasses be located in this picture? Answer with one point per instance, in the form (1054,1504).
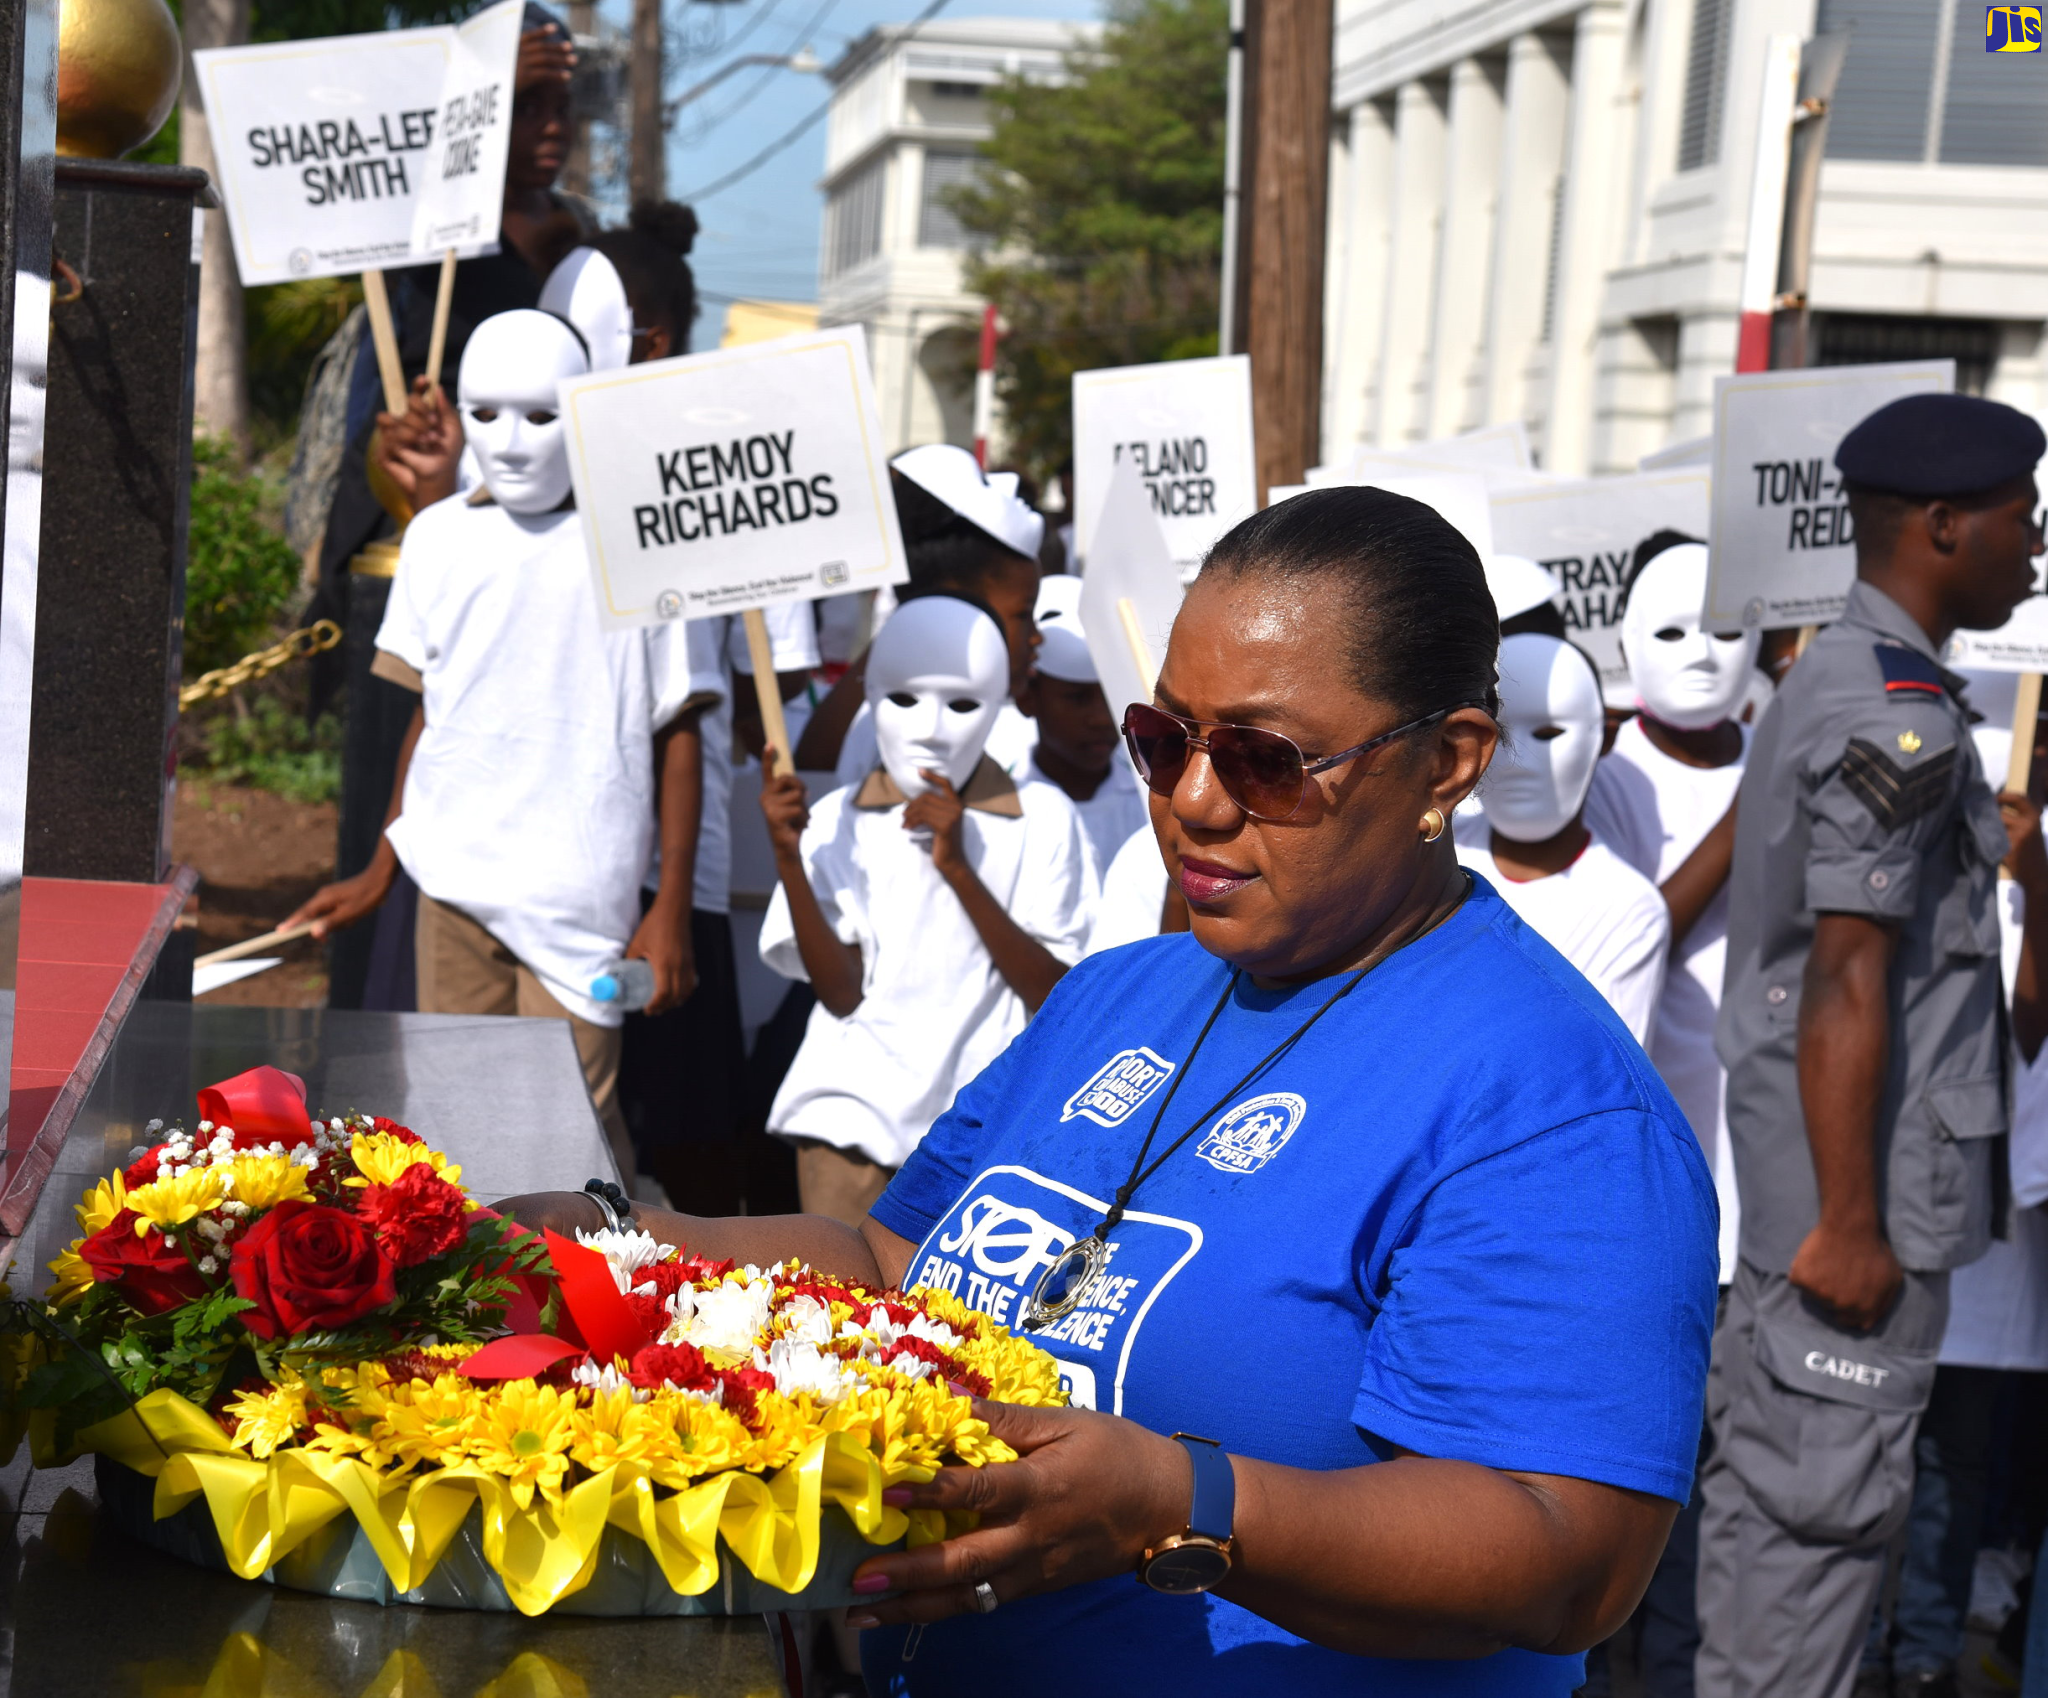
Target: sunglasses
(1263,772)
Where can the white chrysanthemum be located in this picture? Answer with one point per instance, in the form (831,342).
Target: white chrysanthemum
(606,1379)
(626,1252)
(801,1367)
(809,1321)
(915,1366)
(728,1317)
(932,1331)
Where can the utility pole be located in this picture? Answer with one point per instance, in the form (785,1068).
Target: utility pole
(221,371)
(1284,174)
(645,175)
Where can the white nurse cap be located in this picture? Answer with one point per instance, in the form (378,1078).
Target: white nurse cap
(1064,653)
(986,500)
(586,290)
(1518,584)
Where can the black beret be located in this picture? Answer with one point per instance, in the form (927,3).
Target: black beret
(1935,445)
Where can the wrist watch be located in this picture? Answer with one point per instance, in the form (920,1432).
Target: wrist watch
(1198,1559)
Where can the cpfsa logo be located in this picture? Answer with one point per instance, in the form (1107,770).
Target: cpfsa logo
(2012,29)
(1119,1086)
(1252,1133)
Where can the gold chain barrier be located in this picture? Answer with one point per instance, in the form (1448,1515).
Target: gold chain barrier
(321,635)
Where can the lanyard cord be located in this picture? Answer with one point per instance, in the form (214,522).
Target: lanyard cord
(1139,1171)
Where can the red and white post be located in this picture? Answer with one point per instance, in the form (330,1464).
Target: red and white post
(985,387)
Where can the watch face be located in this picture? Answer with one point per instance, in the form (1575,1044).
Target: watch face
(1191,1567)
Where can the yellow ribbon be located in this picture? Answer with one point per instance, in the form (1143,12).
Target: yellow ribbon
(543,1552)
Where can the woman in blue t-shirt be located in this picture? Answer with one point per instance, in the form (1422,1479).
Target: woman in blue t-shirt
(1360,1182)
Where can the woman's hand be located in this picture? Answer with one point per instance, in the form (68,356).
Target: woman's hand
(940,811)
(1088,1496)
(553,1211)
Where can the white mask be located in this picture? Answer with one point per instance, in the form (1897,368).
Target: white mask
(1554,724)
(1688,678)
(938,674)
(512,370)
(585,289)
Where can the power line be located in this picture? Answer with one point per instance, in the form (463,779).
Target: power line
(799,131)
(800,40)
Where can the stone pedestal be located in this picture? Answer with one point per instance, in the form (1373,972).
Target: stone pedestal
(118,459)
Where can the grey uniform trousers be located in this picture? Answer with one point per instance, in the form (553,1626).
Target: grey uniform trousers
(1811,1475)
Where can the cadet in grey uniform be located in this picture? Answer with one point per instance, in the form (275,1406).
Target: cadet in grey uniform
(1863,1027)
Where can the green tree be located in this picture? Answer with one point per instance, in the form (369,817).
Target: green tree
(1099,220)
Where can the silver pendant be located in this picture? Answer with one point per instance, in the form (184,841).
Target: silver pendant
(1060,1288)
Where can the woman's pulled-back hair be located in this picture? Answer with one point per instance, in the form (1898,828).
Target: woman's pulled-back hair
(650,258)
(944,551)
(1420,633)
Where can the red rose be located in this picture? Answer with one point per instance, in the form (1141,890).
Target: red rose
(151,1272)
(418,1217)
(307,1267)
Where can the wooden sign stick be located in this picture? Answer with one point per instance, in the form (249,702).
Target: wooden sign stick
(255,945)
(384,337)
(768,690)
(1141,652)
(437,343)
(2026,712)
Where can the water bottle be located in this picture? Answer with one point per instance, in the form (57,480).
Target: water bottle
(627,985)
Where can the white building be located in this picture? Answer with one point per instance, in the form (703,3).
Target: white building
(1538,209)
(907,114)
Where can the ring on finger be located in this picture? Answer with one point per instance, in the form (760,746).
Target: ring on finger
(985,1598)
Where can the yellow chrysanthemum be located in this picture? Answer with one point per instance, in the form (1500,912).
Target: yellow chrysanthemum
(264,1181)
(613,1431)
(70,1278)
(524,1437)
(169,1202)
(104,1201)
(265,1420)
(706,1439)
(380,1158)
(427,1423)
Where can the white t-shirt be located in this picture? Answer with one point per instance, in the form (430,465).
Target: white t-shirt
(1653,812)
(1110,815)
(793,639)
(529,804)
(934,1010)
(1010,742)
(1998,1304)
(1133,893)
(1602,916)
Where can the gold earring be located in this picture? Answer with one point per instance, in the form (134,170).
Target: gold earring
(1432,825)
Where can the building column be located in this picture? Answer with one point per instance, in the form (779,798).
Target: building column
(1586,231)
(1465,248)
(1360,193)
(1414,216)
(1532,142)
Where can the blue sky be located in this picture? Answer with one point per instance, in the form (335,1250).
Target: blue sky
(760,237)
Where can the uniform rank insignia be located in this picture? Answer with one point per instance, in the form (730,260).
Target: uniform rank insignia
(1908,671)
(1909,742)
(1895,794)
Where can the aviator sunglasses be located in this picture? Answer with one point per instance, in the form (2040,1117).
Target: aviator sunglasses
(1263,772)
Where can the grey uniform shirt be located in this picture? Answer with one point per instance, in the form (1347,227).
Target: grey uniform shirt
(1863,795)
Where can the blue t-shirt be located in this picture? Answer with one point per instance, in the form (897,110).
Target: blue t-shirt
(1462,1217)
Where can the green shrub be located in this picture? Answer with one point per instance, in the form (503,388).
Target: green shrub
(240,573)
(263,741)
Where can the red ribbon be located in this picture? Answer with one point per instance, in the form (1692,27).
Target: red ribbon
(265,1105)
(523,1356)
(591,1296)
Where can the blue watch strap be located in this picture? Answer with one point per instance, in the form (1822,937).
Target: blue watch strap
(1214,1511)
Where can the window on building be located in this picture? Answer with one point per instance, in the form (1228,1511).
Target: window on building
(1706,83)
(957,91)
(1861,339)
(1905,94)
(853,219)
(937,224)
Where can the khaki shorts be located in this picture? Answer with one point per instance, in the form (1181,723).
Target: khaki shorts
(463,969)
(841,1184)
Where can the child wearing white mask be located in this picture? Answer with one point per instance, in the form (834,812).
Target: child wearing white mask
(1664,801)
(932,906)
(546,755)
(1595,910)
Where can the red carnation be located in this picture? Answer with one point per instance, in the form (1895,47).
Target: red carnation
(696,1270)
(649,1313)
(948,1366)
(417,1217)
(151,1272)
(143,1169)
(404,1134)
(667,1278)
(740,1386)
(307,1267)
(672,1364)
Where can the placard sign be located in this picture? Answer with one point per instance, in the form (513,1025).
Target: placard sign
(1130,593)
(2021,643)
(1186,425)
(321,148)
(1586,533)
(738,478)
(463,193)
(1783,549)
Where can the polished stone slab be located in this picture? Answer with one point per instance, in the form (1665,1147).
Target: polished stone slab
(84,1610)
